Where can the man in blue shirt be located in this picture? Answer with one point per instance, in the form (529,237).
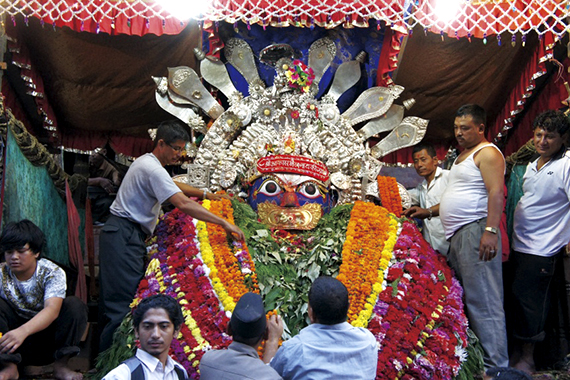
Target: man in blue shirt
(330,348)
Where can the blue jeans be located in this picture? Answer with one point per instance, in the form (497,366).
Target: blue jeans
(483,291)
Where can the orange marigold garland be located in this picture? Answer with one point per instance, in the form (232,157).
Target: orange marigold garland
(235,275)
(390,194)
(366,234)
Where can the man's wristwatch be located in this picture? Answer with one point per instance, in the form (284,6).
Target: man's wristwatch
(492,230)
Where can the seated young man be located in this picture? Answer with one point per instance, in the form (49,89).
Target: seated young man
(38,323)
(157,320)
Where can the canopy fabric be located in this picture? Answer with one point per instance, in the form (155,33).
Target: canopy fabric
(100,87)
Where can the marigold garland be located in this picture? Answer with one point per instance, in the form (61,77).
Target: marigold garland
(362,253)
(235,266)
(390,194)
(366,313)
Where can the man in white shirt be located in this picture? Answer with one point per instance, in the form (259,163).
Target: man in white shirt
(157,320)
(426,196)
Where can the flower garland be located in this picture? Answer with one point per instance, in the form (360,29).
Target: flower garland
(366,313)
(364,258)
(419,318)
(299,76)
(390,194)
(230,272)
(405,293)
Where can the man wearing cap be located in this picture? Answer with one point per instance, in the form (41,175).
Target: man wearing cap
(248,327)
(330,348)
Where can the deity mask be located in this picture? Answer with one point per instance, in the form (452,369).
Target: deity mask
(286,199)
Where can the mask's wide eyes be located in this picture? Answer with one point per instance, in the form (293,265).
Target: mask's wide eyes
(309,190)
(270,187)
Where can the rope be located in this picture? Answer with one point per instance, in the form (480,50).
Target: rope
(37,154)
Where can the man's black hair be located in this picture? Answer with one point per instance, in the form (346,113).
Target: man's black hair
(159,301)
(475,111)
(328,297)
(16,235)
(170,132)
(428,147)
(552,121)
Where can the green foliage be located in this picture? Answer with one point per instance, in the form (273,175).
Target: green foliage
(123,347)
(473,367)
(287,264)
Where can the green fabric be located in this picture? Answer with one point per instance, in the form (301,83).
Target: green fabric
(514,193)
(29,193)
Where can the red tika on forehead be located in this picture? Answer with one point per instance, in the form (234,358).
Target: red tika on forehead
(293,164)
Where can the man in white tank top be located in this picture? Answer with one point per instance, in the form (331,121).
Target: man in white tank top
(470,211)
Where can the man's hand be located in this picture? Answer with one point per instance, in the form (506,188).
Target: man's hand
(274,332)
(568,249)
(274,327)
(12,340)
(233,230)
(416,212)
(107,185)
(488,246)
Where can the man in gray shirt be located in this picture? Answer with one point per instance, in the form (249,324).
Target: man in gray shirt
(248,327)
(134,214)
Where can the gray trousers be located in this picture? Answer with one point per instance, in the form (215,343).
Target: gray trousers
(482,283)
(122,260)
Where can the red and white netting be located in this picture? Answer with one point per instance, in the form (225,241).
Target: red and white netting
(453,17)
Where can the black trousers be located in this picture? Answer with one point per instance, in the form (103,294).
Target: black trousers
(122,263)
(535,277)
(59,339)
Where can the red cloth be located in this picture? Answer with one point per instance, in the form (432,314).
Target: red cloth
(521,93)
(75,255)
(105,18)
(550,98)
(90,245)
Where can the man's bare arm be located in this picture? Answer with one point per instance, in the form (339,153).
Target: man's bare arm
(492,166)
(422,213)
(189,207)
(191,191)
(274,332)
(13,339)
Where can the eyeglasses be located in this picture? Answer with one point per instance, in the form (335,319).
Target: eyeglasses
(177,148)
